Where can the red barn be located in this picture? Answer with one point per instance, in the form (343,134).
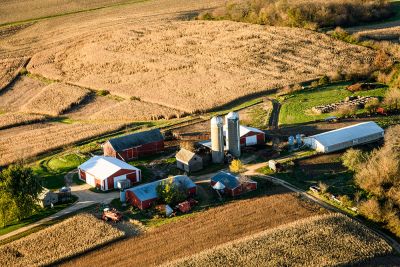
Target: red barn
(232,184)
(105,172)
(145,195)
(250,136)
(134,145)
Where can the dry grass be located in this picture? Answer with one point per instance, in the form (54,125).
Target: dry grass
(12,119)
(68,238)
(391,33)
(197,65)
(9,69)
(135,111)
(23,142)
(19,93)
(201,231)
(55,99)
(327,240)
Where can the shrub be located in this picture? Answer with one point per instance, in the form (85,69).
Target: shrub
(236,166)
(324,187)
(324,80)
(372,210)
(135,98)
(346,111)
(170,193)
(102,92)
(353,159)
(372,106)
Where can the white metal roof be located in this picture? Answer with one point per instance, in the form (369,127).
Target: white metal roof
(348,133)
(103,167)
(243,130)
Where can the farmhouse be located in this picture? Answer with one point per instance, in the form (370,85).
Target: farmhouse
(250,136)
(188,161)
(134,145)
(231,184)
(143,196)
(104,172)
(46,198)
(343,138)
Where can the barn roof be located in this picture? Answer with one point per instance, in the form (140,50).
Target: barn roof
(149,191)
(185,155)
(348,133)
(103,167)
(229,180)
(136,139)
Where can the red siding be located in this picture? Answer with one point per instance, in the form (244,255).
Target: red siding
(82,175)
(98,183)
(132,199)
(139,151)
(260,138)
(192,191)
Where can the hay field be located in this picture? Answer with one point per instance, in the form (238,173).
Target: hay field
(13,119)
(19,93)
(18,10)
(197,65)
(9,69)
(55,99)
(327,240)
(65,239)
(24,142)
(203,230)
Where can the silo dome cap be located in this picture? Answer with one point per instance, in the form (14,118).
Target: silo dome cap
(217,120)
(233,115)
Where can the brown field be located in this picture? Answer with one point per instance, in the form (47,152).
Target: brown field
(203,230)
(23,142)
(13,119)
(19,93)
(70,237)
(326,240)
(132,110)
(55,99)
(9,69)
(392,33)
(197,65)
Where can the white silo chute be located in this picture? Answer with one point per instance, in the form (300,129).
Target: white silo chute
(233,133)
(217,140)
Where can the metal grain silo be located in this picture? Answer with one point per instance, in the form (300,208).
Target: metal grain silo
(217,140)
(233,134)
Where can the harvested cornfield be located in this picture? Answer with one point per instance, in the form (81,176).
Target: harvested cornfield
(327,240)
(68,238)
(13,119)
(23,142)
(9,69)
(55,99)
(19,93)
(197,65)
(203,230)
(135,111)
(390,33)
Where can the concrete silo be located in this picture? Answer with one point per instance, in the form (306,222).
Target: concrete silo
(233,134)
(217,140)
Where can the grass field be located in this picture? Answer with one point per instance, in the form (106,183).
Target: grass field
(296,107)
(70,237)
(203,230)
(327,240)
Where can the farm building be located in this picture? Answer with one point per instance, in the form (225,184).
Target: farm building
(46,198)
(134,145)
(231,184)
(143,196)
(105,172)
(188,161)
(250,136)
(343,138)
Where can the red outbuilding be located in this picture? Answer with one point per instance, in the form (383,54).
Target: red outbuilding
(134,145)
(231,184)
(250,136)
(145,195)
(105,172)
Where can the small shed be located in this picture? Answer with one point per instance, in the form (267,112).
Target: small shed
(105,172)
(188,161)
(346,137)
(46,198)
(145,195)
(134,145)
(233,185)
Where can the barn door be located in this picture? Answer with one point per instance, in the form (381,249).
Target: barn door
(251,140)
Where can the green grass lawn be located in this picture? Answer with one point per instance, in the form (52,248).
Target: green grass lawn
(296,107)
(40,214)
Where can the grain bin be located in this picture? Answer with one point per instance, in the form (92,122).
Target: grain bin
(217,140)
(122,196)
(233,134)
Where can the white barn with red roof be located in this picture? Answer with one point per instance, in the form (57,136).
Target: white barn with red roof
(104,172)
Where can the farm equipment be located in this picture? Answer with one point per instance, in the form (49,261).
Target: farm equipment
(112,215)
(187,205)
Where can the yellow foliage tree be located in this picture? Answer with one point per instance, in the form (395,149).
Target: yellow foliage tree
(236,166)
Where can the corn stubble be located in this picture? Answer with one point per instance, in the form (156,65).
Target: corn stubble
(326,240)
(9,69)
(70,237)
